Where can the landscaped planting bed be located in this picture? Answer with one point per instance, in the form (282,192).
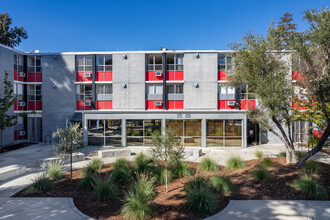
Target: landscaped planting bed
(249,184)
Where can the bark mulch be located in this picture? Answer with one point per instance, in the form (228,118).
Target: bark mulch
(171,205)
(326,150)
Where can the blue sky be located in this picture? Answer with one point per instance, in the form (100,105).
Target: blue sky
(95,25)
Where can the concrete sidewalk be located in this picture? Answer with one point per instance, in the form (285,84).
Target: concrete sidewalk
(274,209)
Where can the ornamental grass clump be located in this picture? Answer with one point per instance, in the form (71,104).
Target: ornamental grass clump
(87,182)
(207,164)
(222,184)
(235,163)
(144,163)
(311,167)
(96,163)
(311,188)
(259,154)
(55,170)
(200,196)
(267,163)
(121,172)
(41,184)
(160,175)
(179,168)
(260,174)
(105,189)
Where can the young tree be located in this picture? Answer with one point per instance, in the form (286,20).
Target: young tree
(166,146)
(312,48)
(6,102)
(70,140)
(11,37)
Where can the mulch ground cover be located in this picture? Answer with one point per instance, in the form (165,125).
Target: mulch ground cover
(171,205)
(326,150)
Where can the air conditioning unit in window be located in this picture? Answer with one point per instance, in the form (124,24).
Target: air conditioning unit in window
(88,103)
(21,104)
(21,133)
(21,74)
(87,74)
(231,103)
(158,74)
(158,103)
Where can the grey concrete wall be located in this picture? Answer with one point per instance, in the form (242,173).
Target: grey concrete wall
(130,71)
(58,103)
(7,65)
(202,70)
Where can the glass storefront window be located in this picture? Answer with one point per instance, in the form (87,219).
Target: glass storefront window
(104,132)
(139,132)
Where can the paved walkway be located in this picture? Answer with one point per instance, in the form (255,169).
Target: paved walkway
(274,209)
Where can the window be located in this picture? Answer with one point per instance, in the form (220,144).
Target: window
(154,62)
(139,132)
(34,64)
(175,88)
(223,89)
(104,132)
(224,62)
(84,63)
(84,92)
(34,92)
(18,63)
(175,62)
(300,131)
(189,131)
(154,89)
(103,88)
(104,63)
(247,93)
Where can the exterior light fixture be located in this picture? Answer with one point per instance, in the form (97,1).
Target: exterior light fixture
(54,86)
(124,85)
(197,56)
(125,56)
(196,85)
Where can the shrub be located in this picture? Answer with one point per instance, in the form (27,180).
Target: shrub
(55,170)
(105,189)
(222,184)
(260,174)
(200,197)
(267,163)
(96,163)
(179,168)
(160,175)
(121,172)
(207,164)
(143,163)
(300,154)
(311,167)
(87,182)
(144,184)
(234,163)
(121,163)
(310,187)
(259,154)
(41,183)
(282,154)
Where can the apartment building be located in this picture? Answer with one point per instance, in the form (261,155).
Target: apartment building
(120,98)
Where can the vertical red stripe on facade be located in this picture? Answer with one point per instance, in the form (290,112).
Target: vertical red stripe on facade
(174,75)
(103,104)
(151,104)
(18,78)
(34,105)
(81,106)
(222,75)
(80,77)
(247,104)
(151,76)
(175,104)
(103,76)
(34,77)
(223,104)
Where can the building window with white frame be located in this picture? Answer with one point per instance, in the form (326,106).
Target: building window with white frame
(84,63)
(84,92)
(104,63)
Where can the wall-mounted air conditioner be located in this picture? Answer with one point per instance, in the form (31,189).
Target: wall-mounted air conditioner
(21,103)
(21,133)
(158,74)
(87,74)
(88,103)
(231,103)
(158,103)
(21,74)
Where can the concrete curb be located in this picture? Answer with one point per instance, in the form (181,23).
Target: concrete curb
(76,210)
(226,209)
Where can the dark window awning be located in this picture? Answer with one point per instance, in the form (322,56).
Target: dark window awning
(77,117)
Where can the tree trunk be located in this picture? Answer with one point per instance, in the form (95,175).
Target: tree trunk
(287,155)
(166,178)
(318,147)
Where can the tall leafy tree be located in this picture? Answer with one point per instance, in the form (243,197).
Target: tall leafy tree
(7,100)
(285,30)
(10,36)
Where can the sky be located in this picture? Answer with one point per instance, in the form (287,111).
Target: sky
(127,25)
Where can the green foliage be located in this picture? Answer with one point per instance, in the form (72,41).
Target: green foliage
(260,174)
(311,167)
(310,187)
(160,175)
(96,163)
(41,184)
(234,163)
(145,185)
(121,163)
(87,182)
(10,36)
(105,189)
(259,154)
(300,154)
(267,163)
(200,196)
(121,172)
(222,184)
(207,164)
(313,140)
(179,168)
(55,170)
(143,163)
(282,154)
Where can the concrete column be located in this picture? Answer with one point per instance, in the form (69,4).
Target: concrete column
(123,132)
(163,126)
(203,132)
(85,131)
(244,132)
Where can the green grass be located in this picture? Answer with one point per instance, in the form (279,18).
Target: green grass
(260,174)
(311,167)
(41,184)
(311,188)
(222,184)
(259,154)
(267,163)
(55,170)
(179,168)
(235,163)
(159,175)
(105,189)
(207,164)
(144,163)
(300,154)
(200,197)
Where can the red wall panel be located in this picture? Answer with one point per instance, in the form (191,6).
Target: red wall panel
(150,76)
(247,104)
(34,105)
(34,77)
(103,104)
(175,75)
(18,78)
(18,108)
(103,76)
(80,77)
(223,104)
(222,75)
(81,106)
(17,137)
(175,104)
(151,104)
